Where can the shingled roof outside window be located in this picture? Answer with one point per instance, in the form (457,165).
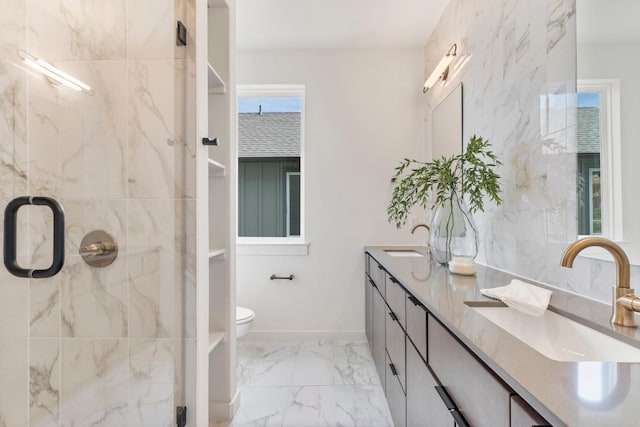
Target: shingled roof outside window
(269,135)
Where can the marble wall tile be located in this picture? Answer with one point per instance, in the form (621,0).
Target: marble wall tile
(14,403)
(77,29)
(66,353)
(44,382)
(13,127)
(94,301)
(151,29)
(156,374)
(79,140)
(13,26)
(158,155)
(94,382)
(157,294)
(518,72)
(44,307)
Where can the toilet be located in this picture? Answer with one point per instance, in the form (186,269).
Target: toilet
(244,320)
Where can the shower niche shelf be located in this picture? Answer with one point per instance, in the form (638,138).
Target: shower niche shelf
(216,207)
(215,338)
(217,254)
(216,168)
(215,83)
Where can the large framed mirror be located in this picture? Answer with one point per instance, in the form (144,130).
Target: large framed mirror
(608,107)
(447,125)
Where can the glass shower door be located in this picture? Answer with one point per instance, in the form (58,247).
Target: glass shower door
(101,345)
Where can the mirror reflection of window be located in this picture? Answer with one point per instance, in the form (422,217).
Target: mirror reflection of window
(598,146)
(589,195)
(269,166)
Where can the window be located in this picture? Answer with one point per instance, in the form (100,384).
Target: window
(270,164)
(599,178)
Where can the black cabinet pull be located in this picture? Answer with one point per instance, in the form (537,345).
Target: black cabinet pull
(393,369)
(415,300)
(451,406)
(446,399)
(372,283)
(393,316)
(393,279)
(457,416)
(380,267)
(209,141)
(10,234)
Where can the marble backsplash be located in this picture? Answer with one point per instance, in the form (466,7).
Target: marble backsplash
(102,346)
(518,69)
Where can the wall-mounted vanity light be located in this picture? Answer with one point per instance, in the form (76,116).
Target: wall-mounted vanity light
(53,73)
(442,69)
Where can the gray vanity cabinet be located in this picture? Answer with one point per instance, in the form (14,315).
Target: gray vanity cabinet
(523,415)
(369,289)
(430,378)
(481,398)
(417,325)
(396,296)
(396,398)
(395,324)
(424,406)
(379,314)
(396,346)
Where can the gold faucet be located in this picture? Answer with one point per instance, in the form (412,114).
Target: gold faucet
(624,300)
(415,227)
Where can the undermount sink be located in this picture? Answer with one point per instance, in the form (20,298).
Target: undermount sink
(560,338)
(403,253)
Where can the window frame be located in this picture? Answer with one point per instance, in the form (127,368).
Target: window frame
(610,154)
(294,245)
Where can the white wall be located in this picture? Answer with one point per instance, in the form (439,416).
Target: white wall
(364,113)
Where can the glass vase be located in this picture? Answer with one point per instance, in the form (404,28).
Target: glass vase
(453,232)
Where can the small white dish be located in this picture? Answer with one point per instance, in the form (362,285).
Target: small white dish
(462,266)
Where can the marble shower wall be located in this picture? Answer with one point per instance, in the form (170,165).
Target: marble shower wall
(518,69)
(102,347)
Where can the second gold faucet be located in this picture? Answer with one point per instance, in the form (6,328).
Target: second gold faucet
(624,300)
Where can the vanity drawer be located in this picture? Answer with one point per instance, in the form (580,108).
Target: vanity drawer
(417,324)
(396,296)
(523,415)
(395,338)
(482,399)
(424,405)
(377,274)
(367,263)
(395,397)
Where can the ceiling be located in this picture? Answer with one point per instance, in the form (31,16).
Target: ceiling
(608,21)
(335,24)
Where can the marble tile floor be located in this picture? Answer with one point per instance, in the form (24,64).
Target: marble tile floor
(314,384)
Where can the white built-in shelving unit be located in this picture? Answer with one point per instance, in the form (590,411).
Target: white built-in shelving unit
(217,391)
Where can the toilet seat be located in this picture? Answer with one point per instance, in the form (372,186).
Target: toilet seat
(244,315)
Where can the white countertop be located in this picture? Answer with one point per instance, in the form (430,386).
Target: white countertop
(566,393)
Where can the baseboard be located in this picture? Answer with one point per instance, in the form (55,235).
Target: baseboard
(304,336)
(224,410)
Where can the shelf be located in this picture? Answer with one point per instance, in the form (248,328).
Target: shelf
(215,82)
(217,3)
(215,338)
(217,253)
(217,168)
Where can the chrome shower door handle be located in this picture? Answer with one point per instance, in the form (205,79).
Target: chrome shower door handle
(10,235)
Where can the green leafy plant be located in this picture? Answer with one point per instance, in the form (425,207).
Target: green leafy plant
(470,175)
